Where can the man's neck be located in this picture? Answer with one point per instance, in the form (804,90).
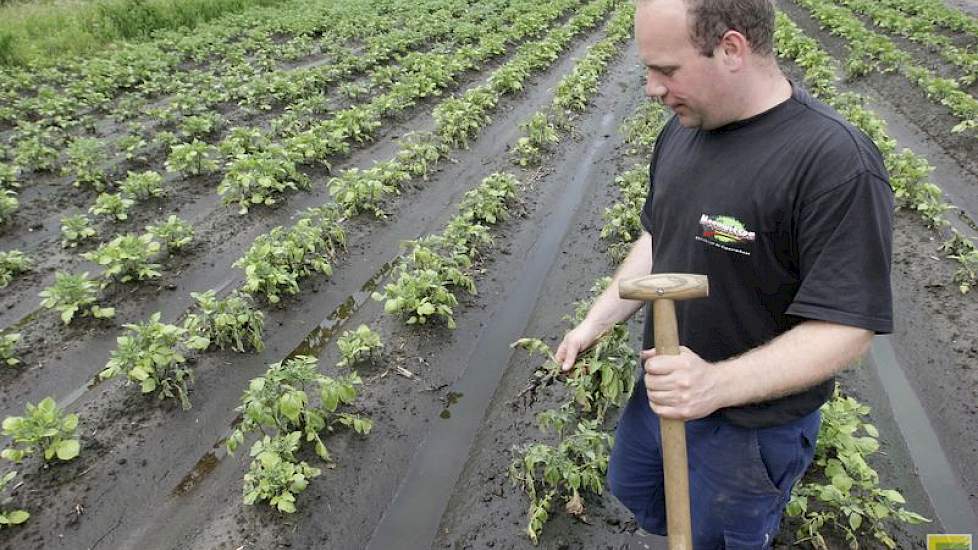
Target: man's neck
(762,93)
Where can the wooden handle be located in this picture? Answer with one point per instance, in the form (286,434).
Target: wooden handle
(674,465)
(674,286)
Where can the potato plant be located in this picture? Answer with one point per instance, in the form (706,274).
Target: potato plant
(233,322)
(488,202)
(363,190)
(173,232)
(13,263)
(199,126)
(132,147)
(280,402)
(419,154)
(419,295)
(275,475)
(9,176)
(277,260)
(243,141)
(152,355)
(545,472)
(86,160)
(75,229)
(43,428)
(141,186)
(127,257)
(71,294)
(112,205)
(541,133)
(9,518)
(358,345)
(260,178)
(852,501)
(8,205)
(8,345)
(459,119)
(193,159)
(35,153)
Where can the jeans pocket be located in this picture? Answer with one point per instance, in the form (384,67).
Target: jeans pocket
(761,464)
(782,456)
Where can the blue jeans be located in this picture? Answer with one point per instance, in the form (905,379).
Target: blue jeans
(740,478)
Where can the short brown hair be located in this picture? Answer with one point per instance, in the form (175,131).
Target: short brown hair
(711,19)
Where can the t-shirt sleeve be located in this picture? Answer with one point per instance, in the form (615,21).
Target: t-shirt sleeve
(844,238)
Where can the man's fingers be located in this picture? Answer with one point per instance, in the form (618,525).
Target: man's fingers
(662,365)
(646,353)
(570,354)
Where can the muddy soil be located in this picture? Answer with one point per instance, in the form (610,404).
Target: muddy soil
(152,476)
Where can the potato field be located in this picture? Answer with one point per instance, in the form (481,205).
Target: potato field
(293,277)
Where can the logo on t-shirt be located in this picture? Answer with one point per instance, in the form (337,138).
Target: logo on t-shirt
(725,232)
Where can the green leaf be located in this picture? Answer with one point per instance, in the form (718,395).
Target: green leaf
(842,482)
(855,520)
(17,517)
(893,495)
(68,449)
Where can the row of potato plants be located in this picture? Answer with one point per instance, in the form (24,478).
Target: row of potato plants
(871,51)
(602,377)
(920,30)
(264,273)
(428,274)
(87,156)
(153,353)
(424,285)
(576,461)
(150,69)
(258,173)
(457,119)
(571,94)
(938,12)
(908,172)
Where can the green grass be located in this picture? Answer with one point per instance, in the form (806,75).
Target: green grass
(46,32)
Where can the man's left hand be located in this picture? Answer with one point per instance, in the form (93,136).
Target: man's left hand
(683,387)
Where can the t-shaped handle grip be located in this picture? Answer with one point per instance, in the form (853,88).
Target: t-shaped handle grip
(663,289)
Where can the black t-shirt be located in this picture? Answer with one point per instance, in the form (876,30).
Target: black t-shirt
(789,214)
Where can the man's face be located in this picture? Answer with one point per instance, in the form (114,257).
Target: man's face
(677,74)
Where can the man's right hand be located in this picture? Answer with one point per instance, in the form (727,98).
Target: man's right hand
(581,338)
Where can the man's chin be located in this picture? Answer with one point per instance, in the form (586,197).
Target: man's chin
(687,121)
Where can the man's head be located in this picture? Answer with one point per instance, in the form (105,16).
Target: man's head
(704,58)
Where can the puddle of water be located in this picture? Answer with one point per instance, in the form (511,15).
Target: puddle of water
(204,466)
(74,394)
(315,342)
(947,494)
(411,519)
(207,463)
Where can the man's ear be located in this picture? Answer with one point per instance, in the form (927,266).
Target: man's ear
(733,50)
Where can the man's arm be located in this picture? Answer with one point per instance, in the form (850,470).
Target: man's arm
(687,387)
(608,309)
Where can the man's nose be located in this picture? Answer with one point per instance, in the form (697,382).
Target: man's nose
(654,88)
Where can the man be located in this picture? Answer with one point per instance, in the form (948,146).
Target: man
(788,211)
